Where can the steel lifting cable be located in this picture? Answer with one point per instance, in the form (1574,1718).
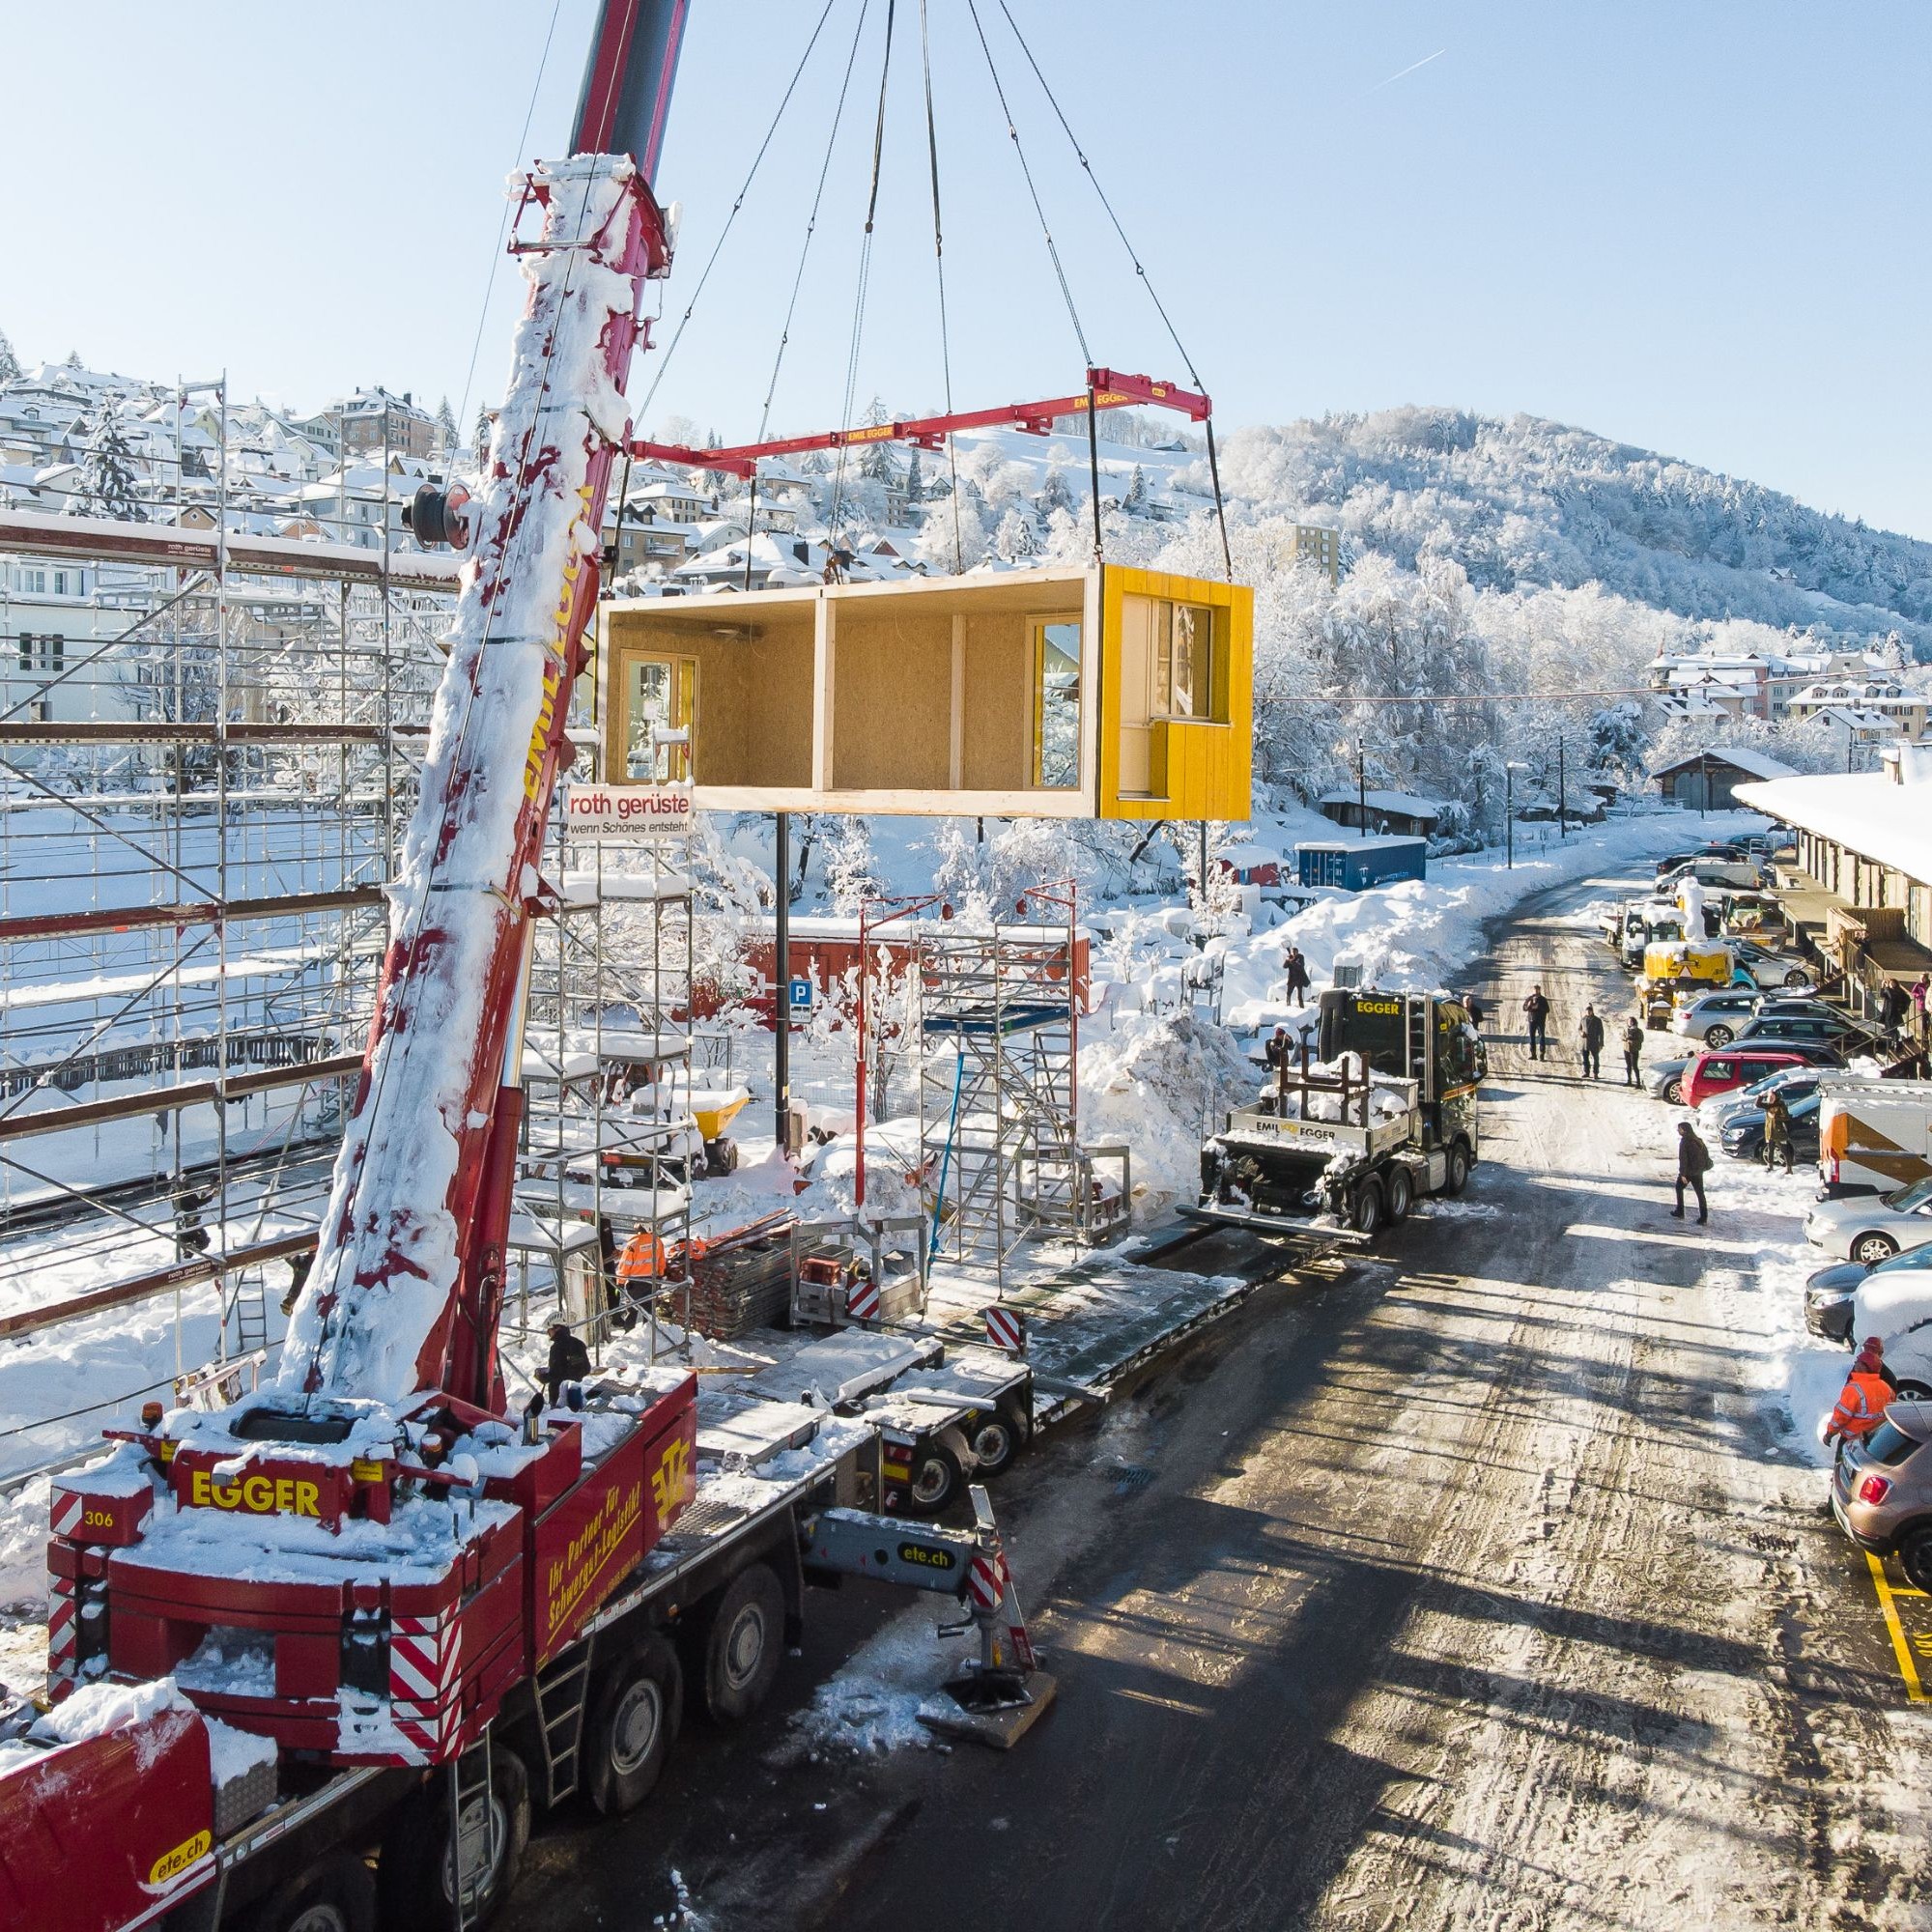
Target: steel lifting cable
(938,263)
(1147,281)
(496,256)
(798,278)
(752,175)
(865,273)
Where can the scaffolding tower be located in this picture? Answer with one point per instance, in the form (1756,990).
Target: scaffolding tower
(210,735)
(999,1035)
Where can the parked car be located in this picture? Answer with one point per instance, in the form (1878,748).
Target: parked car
(1848,1300)
(1739,874)
(1719,848)
(1882,1490)
(1665,1079)
(1717,1071)
(1714,1017)
(1846,1035)
(1872,1228)
(1742,1136)
(1772,969)
(1794,1083)
(1831,1298)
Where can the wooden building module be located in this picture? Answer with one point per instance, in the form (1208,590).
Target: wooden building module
(1105,692)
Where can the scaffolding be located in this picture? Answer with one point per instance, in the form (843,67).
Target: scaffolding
(210,735)
(610,1145)
(999,1035)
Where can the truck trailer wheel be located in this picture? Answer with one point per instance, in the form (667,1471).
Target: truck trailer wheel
(997,1439)
(334,1895)
(634,1721)
(1401,1194)
(742,1645)
(416,1878)
(1457,1176)
(935,1480)
(1365,1208)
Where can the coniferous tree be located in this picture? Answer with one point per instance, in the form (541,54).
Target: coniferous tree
(9,363)
(1136,504)
(482,432)
(915,479)
(445,426)
(108,487)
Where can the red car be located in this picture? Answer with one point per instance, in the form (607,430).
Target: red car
(1718,1069)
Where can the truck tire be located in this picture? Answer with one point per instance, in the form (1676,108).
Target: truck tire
(1401,1194)
(997,1441)
(1456,1174)
(935,1480)
(416,1876)
(741,1645)
(334,1895)
(633,1722)
(1365,1208)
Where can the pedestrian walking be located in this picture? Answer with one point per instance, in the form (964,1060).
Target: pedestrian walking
(1776,1130)
(1694,1163)
(1632,1052)
(1592,1035)
(1296,968)
(1868,1392)
(1536,1011)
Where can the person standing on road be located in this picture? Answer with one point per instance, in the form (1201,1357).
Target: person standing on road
(1296,968)
(1592,1033)
(1694,1163)
(1776,1130)
(1536,1011)
(1632,1052)
(1862,1400)
(1473,1007)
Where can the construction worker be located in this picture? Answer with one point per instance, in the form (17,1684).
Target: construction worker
(569,1360)
(641,1266)
(190,1237)
(1862,1401)
(1591,1034)
(1776,1130)
(1694,1163)
(1536,1011)
(1279,1053)
(1632,1052)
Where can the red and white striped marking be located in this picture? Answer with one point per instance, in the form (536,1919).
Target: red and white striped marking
(987,1581)
(424,1653)
(65,1512)
(1006,1329)
(861,1301)
(63,1631)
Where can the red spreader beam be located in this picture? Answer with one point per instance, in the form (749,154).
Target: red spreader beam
(1109,389)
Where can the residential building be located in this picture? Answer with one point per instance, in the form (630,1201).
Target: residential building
(374,420)
(1382,811)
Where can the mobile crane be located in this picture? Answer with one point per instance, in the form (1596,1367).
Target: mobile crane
(370,1604)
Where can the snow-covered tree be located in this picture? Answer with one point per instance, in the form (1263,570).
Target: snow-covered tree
(445,426)
(482,432)
(878,462)
(1015,541)
(108,487)
(9,363)
(914,477)
(851,870)
(946,547)
(1054,494)
(1136,504)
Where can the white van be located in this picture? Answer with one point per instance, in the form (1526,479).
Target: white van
(1737,873)
(1873,1135)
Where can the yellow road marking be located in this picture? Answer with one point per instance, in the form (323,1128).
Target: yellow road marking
(1906,1669)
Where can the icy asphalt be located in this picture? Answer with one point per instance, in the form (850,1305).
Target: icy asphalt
(1478,1586)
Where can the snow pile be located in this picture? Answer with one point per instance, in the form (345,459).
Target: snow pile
(96,1709)
(1422,932)
(1161,1083)
(874,1704)
(892,1174)
(381,1283)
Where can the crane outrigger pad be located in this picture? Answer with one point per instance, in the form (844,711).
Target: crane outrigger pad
(985,1717)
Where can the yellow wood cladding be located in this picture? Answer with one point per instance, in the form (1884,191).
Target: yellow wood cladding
(1196,767)
(939,696)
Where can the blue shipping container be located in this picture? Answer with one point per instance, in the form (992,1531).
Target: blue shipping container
(1355,864)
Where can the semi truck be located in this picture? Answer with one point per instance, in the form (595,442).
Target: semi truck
(1374,1108)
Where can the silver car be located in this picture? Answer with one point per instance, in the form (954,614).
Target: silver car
(1872,1228)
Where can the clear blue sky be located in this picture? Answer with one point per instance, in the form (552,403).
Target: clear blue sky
(1701,229)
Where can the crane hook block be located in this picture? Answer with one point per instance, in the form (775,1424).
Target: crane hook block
(438,517)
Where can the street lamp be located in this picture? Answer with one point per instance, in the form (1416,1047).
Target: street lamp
(1509,770)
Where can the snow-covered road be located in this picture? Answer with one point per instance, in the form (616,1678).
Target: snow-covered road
(1481,1587)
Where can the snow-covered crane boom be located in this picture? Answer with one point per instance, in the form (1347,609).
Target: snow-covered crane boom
(407,1283)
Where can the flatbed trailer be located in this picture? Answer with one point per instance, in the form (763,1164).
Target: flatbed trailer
(707,1617)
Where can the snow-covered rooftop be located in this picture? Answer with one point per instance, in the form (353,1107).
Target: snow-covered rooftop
(1740,756)
(1867,811)
(1407,803)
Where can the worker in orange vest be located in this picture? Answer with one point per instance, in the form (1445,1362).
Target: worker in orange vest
(1862,1400)
(642,1261)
